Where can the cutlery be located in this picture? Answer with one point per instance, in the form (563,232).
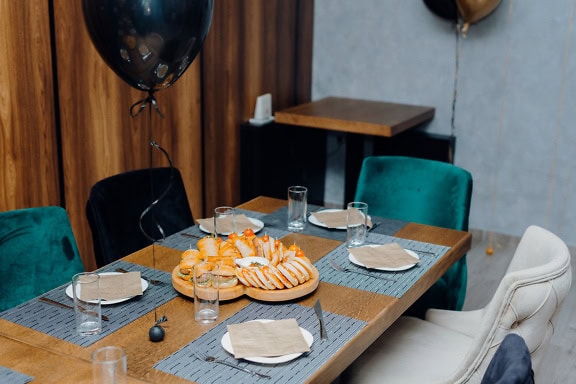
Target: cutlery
(190,235)
(62,305)
(212,359)
(151,281)
(340,268)
(318,310)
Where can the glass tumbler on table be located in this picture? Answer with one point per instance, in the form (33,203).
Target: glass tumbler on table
(206,294)
(356,223)
(297,207)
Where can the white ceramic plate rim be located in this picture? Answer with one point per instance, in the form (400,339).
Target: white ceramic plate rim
(258,223)
(70,294)
(312,219)
(353,260)
(227,345)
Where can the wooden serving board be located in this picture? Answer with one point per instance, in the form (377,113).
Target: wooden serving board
(187,289)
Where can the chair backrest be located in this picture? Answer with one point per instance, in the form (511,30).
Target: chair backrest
(526,302)
(417,190)
(38,252)
(116,203)
(423,191)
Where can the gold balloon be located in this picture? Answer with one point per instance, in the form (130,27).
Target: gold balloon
(474,10)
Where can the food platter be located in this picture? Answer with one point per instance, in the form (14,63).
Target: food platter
(187,289)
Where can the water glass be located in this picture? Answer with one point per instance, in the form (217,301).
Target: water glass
(224,220)
(109,366)
(297,207)
(87,308)
(356,223)
(206,295)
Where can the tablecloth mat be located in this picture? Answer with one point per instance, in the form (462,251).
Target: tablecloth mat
(403,280)
(183,242)
(184,364)
(60,322)
(7,375)
(277,220)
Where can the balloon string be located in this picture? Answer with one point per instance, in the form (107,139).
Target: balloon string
(149,208)
(140,105)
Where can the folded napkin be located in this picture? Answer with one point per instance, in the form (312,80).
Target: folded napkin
(226,224)
(335,219)
(267,339)
(390,255)
(116,286)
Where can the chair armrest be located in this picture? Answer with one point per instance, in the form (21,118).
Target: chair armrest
(465,322)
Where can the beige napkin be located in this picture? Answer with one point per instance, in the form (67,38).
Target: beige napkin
(117,286)
(267,339)
(242,222)
(383,256)
(334,219)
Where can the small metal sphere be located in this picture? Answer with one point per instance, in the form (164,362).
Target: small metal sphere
(156,333)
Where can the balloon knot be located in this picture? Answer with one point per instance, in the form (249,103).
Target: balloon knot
(140,105)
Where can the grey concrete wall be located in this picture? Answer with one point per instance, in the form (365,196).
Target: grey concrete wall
(515,108)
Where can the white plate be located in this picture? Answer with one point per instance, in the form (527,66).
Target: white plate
(402,268)
(226,343)
(70,294)
(312,219)
(259,225)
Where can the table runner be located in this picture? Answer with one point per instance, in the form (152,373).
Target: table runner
(183,241)
(340,330)
(277,220)
(60,322)
(8,375)
(403,280)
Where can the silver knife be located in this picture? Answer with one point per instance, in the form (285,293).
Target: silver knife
(318,310)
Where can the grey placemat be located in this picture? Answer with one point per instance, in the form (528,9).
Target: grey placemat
(188,237)
(340,329)
(7,375)
(277,220)
(60,322)
(402,281)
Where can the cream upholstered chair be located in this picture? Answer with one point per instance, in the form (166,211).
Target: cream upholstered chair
(457,347)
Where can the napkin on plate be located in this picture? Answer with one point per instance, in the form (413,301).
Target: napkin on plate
(390,255)
(242,222)
(267,339)
(334,219)
(116,286)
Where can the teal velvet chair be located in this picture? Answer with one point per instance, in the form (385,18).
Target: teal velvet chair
(38,252)
(426,192)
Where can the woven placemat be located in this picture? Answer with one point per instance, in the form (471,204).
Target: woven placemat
(60,322)
(10,376)
(401,281)
(184,364)
(277,220)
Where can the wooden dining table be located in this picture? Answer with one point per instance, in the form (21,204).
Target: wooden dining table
(23,348)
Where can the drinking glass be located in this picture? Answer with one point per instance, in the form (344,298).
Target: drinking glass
(206,295)
(109,365)
(297,206)
(224,220)
(87,308)
(356,223)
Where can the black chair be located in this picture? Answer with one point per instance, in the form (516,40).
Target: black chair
(116,203)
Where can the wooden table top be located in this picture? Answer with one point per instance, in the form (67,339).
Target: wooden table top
(25,346)
(366,117)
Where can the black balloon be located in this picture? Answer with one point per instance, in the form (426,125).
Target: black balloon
(447,9)
(148,43)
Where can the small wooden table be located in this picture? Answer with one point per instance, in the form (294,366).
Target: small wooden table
(24,347)
(296,148)
(365,117)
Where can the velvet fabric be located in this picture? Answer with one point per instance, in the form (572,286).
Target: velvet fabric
(511,363)
(115,204)
(38,252)
(426,192)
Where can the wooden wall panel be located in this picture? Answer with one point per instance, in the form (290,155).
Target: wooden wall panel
(28,138)
(254,47)
(99,138)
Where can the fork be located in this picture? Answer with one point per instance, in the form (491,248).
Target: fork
(340,268)
(212,359)
(151,281)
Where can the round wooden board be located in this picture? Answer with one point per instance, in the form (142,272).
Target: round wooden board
(187,289)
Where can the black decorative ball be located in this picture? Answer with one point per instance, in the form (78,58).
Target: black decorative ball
(156,333)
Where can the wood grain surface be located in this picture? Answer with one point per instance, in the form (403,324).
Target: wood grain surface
(379,311)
